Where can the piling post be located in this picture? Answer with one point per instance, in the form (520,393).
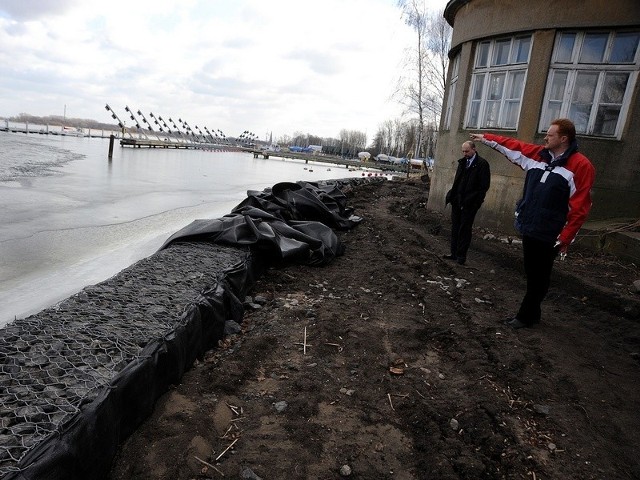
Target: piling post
(111,139)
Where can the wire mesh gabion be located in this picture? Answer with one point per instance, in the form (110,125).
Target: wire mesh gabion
(55,361)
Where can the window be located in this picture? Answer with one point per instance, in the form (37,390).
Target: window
(455,67)
(497,83)
(591,77)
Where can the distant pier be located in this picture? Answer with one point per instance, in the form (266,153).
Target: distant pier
(56,130)
(157,143)
(307,157)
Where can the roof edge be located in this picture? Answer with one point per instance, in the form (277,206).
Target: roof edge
(452,8)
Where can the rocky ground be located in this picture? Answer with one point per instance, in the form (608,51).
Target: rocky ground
(393,363)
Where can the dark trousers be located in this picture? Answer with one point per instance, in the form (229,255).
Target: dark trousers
(538,263)
(461,228)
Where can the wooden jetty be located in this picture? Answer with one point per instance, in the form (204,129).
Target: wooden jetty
(46,130)
(322,158)
(157,143)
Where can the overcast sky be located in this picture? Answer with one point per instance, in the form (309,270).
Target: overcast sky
(280,66)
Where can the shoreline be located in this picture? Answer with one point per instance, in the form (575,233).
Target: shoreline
(93,365)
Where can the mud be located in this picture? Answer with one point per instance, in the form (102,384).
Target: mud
(393,363)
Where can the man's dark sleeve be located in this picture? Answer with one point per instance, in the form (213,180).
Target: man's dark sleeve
(483,181)
(486,178)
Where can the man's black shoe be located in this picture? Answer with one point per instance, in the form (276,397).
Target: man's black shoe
(450,257)
(516,324)
(461,260)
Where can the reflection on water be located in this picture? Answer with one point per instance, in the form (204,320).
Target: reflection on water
(70,217)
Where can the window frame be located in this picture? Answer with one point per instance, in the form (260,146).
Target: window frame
(453,85)
(491,70)
(575,70)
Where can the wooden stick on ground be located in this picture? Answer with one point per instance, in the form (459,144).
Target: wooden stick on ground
(340,348)
(226,449)
(233,408)
(304,342)
(209,465)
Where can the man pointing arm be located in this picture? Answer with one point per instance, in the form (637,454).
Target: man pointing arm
(555,202)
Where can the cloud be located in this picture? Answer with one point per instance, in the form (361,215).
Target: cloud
(319,62)
(242,64)
(25,10)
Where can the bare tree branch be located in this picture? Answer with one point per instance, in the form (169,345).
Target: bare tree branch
(422,90)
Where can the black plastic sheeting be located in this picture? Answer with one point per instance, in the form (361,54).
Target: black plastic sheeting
(291,222)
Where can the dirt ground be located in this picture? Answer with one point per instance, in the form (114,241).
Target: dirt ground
(393,363)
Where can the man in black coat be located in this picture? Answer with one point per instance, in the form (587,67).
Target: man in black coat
(470,186)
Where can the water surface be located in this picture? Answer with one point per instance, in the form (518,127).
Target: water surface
(71,217)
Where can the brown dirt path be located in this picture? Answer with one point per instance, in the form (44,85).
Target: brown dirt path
(407,371)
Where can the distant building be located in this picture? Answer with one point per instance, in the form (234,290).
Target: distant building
(516,65)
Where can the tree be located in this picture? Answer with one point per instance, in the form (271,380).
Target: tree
(422,92)
(438,46)
(395,138)
(353,141)
(349,143)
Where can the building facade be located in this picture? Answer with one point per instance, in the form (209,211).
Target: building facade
(515,66)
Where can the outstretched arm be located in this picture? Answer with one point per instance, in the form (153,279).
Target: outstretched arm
(525,155)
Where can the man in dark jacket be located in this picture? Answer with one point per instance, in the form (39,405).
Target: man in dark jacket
(470,186)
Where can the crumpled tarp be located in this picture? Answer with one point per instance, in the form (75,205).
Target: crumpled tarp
(291,222)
